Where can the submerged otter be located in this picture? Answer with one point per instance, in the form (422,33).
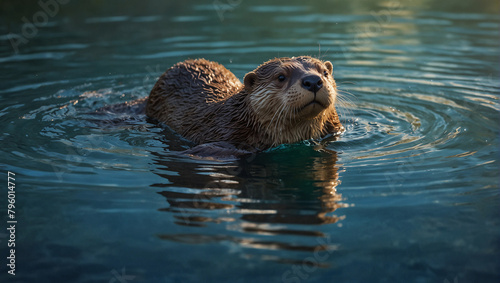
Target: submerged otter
(284,100)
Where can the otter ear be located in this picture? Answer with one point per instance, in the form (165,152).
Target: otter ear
(250,80)
(329,66)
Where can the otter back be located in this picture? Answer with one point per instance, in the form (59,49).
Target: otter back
(186,96)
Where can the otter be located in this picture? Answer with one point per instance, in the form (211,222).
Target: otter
(282,101)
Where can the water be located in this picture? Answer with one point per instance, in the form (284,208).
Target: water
(408,194)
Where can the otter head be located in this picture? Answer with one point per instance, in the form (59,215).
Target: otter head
(292,97)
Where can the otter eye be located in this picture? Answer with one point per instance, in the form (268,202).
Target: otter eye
(281,78)
(326,73)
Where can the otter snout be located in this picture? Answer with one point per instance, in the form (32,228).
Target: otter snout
(312,83)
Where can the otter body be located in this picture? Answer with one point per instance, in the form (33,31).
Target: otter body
(284,100)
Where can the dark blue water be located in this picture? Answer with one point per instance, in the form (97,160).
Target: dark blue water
(410,192)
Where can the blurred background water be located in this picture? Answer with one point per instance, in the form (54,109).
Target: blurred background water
(408,194)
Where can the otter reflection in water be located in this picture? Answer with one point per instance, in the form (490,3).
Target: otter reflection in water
(260,204)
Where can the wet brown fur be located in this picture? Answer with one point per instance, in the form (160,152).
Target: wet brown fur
(205,102)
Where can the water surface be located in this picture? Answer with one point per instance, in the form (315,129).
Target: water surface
(408,194)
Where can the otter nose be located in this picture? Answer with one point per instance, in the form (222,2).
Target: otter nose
(312,83)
